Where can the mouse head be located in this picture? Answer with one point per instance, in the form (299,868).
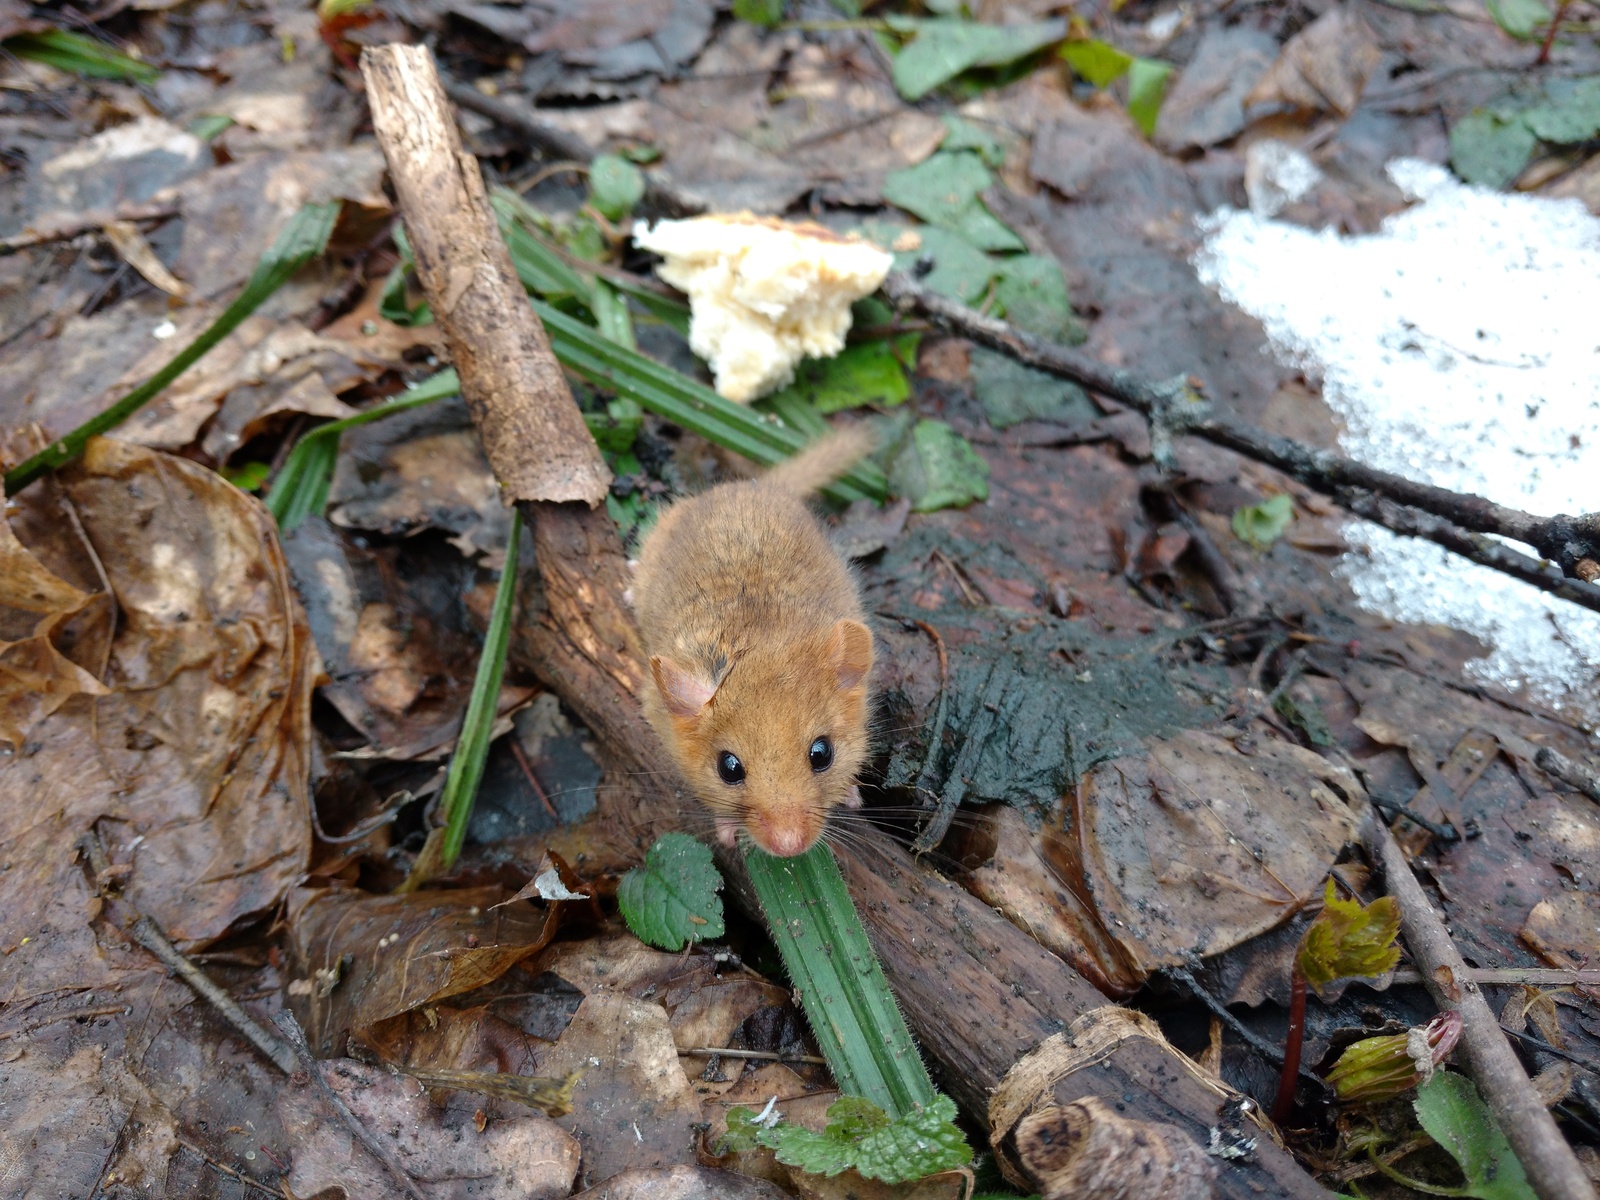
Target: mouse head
(776,742)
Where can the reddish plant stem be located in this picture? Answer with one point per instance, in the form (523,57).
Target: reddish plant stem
(1550,34)
(1284,1105)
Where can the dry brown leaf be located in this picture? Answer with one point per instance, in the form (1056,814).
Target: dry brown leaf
(1565,928)
(682,1183)
(1324,67)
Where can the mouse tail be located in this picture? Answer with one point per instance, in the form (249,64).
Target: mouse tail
(824,460)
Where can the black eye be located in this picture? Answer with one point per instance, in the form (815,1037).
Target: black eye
(821,754)
(730,768)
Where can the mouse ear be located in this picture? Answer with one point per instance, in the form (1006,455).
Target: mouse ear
(685,691)
(850,648)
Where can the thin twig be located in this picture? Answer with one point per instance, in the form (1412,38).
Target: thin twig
(521,756)
(236,1176)
(65,226)
(149,935)
(1545,1155)
(1539,977)
(757,1055)
(297,1039)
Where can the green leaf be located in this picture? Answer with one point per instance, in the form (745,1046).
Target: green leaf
(1455,1116)
(865,373)
(960,270)
(743,1132)
(765,13)
(611,314)
(938,468)
(671,899)
(1147,87)
(1307,718)
(80,55)
(615,186)
(1348,940)
(847,1000)
(1096,63)
(1519,18)
(209,125)
(1570,112)
(1488,150)
(247,476)
(394,302)
(943,190)
(860,1136)
(615,429)
(1012,393)
(942,48)
(962,134)
(1032,294)
(1259,525)
(305,237)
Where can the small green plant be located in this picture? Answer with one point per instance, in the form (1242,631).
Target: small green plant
(1454,1115)
(861,1137)
(1380,1068)
(80,55)
(671,899)
(1259,525)
(1101,64)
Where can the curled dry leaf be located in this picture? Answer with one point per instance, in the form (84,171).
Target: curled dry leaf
(368,958)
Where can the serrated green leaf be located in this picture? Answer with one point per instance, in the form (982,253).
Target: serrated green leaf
(1519,18)
(860,1137)
(1455,1116)
(305,237)
(765,13)
(944,47)
(1570,112)
(1348,940)
(1097,63)
(615,185)
(958,268)
(1259,525)
(743,1132)
(80,55)
(1032,294)
(961,134)
(938,468)
(671,899)
(865,373)
(1147,87)
(1012,393)
(1489,150)
(943,190)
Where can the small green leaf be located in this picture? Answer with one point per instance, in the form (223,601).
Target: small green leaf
(1032,294)
(865,373)
(943,48)
(615,186)
(1096,63)
(1012,393)
(671,899)
(209,125)
(1307,718)
(1488,150)
(961,134)
(247,476)
(1348,940)
(744,1133)
(766,13)
(861,1137)
(615,429)
(1147,87)
(1570,112)
(80,55)
(1455,1116)
(1259,525)
(943,190)
(938,468)
(959,269)
(642,155)
(1519,18)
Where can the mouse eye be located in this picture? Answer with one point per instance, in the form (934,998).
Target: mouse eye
(821,754)
(730,768)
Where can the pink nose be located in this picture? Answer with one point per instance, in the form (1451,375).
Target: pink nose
(785,843)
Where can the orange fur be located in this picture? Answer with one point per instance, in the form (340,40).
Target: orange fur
(758,646)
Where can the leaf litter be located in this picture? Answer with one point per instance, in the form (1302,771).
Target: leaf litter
(139,588)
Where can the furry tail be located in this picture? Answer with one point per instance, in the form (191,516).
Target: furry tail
(823,461)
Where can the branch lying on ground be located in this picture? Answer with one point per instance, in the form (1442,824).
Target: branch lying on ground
(1553,762)
(1545,1155)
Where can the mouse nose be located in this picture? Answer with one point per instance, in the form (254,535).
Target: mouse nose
(786,842)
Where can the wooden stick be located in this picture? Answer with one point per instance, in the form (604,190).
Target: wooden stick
(1551,1166)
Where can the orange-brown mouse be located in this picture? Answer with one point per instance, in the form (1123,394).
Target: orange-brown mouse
(761,658)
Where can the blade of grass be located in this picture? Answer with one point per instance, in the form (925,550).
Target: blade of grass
(681,400)
(304,238)
(842,988)
(80,55)
(301,487)
(611,314)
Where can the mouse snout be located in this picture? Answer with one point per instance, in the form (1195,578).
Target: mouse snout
(785,841)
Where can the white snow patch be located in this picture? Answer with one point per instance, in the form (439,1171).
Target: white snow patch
(1460,346)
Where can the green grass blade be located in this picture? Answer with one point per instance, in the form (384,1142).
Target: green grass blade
(679,399)
(80,55)
(472,747)
(301,487)
(842,988)
(611,315)
(304,238)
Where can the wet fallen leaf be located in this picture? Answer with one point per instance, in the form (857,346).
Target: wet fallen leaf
(1324,67)
(1206,104)
(682,1183)
(944,190)
(1564,928)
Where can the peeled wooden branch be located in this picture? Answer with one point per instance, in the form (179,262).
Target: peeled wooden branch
(1545,1155)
